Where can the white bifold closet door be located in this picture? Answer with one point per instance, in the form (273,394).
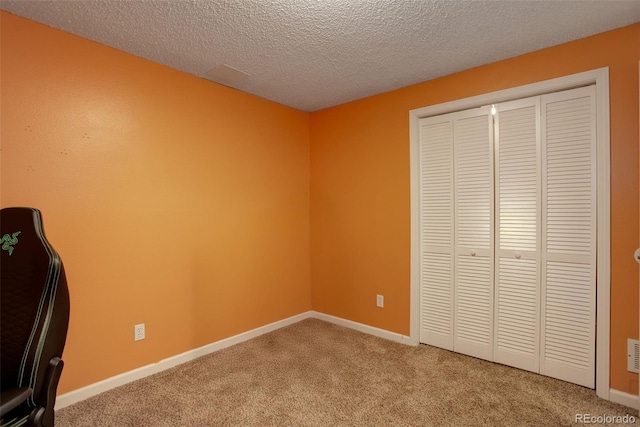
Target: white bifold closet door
(517,186)
(436,231)
(456,232)
(568,312)
(508,232)
(473,229)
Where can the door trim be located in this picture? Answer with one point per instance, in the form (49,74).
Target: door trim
(599,77)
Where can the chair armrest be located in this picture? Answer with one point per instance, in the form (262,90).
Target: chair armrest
(12,398)
(48,394)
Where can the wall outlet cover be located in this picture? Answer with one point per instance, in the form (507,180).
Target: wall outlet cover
(138,332)
(633,353)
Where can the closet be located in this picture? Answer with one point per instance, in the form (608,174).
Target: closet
(507,216)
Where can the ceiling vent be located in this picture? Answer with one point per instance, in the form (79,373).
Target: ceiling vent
(226,75)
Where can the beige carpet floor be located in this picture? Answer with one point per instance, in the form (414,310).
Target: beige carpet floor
(315,373)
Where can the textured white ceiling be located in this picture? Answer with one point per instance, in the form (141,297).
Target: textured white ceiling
(313,54)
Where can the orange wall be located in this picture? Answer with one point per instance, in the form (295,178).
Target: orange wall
(360,191)
(185,205)
(173,201)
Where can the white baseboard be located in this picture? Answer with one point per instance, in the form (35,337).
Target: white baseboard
(626,399)
(83,393)
(144,371)
(382,333)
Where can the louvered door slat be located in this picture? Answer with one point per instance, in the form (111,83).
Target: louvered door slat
(564,345)
(473,181)
(517,185)
(436,234)
(517,180)
(569,229)
(473,172)
(517,308)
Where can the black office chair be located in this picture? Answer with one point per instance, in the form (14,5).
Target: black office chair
(34,316)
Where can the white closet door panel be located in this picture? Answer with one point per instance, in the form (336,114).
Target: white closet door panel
(517,180)
(436,299)
(474,306)
(570,172)
(436,158)
(517,313)
(436,234)
(474,179)
(569,230)
(473,184)
(517,186)
(569,327)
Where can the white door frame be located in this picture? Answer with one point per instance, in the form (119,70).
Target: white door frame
(599,77)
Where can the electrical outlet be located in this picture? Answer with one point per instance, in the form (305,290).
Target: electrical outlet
(633,354)
(138,332)
(380,301)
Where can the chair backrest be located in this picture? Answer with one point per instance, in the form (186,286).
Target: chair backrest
(34,299)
